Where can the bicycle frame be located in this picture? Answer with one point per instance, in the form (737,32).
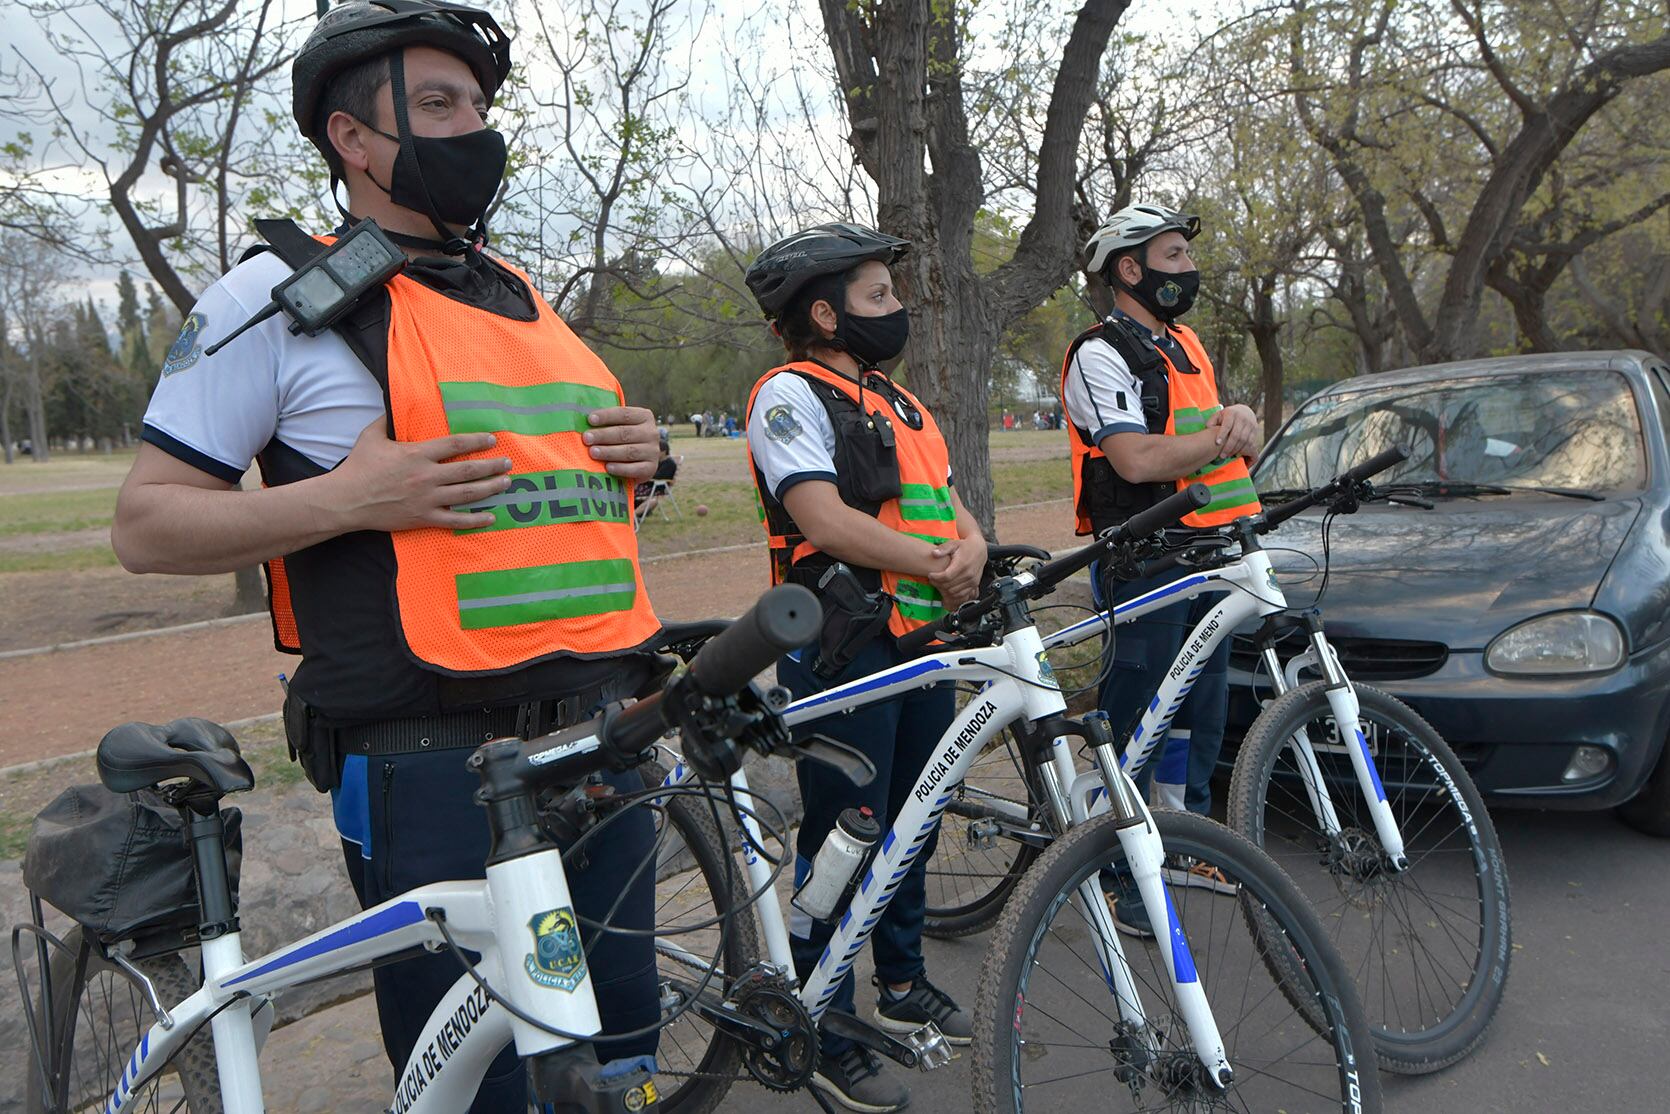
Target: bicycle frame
(1016,684)
(520,920)
(1251,591)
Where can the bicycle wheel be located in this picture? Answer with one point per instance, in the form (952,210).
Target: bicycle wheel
(1048,1029)
(92,1044)
(981,853)
(696,1064)
(1429,946)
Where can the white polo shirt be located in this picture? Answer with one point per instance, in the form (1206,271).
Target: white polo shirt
(217,412)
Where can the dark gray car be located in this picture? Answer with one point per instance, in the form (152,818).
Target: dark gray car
(1526,614)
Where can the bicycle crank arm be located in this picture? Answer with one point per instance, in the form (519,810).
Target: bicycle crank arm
(724,1016)
(926,1048)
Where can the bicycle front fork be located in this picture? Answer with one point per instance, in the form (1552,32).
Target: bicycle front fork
(1347,713)
(1144,857)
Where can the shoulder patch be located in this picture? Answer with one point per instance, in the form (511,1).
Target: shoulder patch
(781,425)
(185,351)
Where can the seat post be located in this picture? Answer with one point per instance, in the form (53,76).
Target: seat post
(215,915)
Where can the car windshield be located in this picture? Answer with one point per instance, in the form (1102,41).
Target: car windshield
(1573,430)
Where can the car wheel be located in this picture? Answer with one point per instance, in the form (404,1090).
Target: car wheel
(1649,810)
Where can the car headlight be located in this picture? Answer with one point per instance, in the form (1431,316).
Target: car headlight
(1564,642)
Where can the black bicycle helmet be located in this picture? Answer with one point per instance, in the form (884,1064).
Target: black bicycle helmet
(359,29)
(828,249)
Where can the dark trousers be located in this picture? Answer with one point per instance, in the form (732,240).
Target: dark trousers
(898,736)
(1142,655)
(425,828)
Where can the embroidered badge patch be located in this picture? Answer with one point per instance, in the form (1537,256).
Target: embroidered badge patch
(780,424)
(185,351)
(557,961)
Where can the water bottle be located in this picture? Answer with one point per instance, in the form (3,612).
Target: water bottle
(843,852)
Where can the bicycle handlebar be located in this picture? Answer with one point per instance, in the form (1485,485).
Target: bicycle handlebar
(1345,481)
(1156,518)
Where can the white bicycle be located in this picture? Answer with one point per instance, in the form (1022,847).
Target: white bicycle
(1240,1004)
(1347,788)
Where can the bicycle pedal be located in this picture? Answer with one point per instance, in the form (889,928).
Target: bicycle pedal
(931,1048)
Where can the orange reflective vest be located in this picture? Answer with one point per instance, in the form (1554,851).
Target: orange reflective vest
(1193,399)
(557,572)
(921,506)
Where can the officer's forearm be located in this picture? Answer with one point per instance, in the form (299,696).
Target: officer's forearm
(1157,457)
(177,528)
(854,537)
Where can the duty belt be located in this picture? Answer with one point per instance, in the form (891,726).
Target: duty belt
(451,730)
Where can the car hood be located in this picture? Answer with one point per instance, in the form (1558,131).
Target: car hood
(1460,573)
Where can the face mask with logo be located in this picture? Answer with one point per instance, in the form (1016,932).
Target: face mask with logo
(1166,294)
(874,340)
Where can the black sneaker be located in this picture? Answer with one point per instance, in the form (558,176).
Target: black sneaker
(922,1003)
(854,1079)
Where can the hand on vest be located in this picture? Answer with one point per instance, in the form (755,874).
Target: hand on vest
(959,580)
(395,485)
(1236,430)
(627,439)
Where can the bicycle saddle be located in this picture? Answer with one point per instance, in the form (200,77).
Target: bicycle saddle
(139,755)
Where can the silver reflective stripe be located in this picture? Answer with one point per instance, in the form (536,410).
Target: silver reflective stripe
(484,404)
(541,597)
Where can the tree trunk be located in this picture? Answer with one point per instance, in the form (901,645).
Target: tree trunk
(1266,333)
(34,405)
(6,420)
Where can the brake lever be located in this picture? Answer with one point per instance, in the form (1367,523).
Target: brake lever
(844,758)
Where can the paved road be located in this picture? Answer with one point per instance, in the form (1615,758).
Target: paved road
(1589,991)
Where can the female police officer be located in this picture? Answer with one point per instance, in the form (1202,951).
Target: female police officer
(851,468)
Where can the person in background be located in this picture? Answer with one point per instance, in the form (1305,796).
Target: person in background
(1141,402)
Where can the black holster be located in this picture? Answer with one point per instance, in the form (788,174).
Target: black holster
(312,743)
(851,618)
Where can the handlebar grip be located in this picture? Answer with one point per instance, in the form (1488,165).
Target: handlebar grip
(785,618)
(917,640)
(1374,465)
(1167,512)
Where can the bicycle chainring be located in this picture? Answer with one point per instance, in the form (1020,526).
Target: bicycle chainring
(788,1065)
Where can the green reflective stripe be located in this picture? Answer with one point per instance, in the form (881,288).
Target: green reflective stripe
(477,407)
(1230,493)
(531,595)
(1191,419)
(925,503)
(919,601)
(548,498)
(933,538)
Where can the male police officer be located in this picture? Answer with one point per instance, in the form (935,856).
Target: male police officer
(448,489)
(1144,420)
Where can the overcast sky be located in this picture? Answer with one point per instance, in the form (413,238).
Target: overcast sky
(705,41)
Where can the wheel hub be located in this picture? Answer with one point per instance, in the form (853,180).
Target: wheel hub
(1358,865)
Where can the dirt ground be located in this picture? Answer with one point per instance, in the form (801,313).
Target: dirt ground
(63,702)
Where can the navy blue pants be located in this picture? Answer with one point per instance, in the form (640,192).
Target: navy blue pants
(1142,655)
(898,736)
(423,828)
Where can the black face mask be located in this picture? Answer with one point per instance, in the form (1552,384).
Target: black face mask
(453,178)
(450,178)
(1166,294)
(874,340)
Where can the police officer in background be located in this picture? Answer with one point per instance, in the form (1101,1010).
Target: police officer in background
(447,516)
(851,469)
(1144,420)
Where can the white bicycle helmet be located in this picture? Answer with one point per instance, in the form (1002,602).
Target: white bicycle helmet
(1133,225)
